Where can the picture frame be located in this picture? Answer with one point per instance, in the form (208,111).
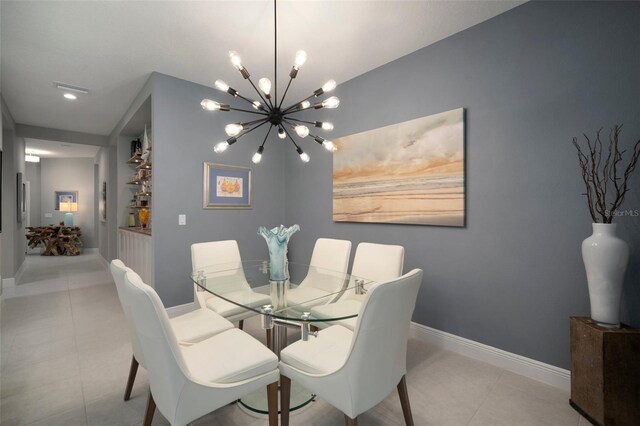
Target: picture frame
(64,196)
(226,187)
(19,197)
(103,202)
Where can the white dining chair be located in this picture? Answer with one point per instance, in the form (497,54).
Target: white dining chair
(227,255)
(189,328)
(326,275)
(355,370)
(189,382)
(372,262)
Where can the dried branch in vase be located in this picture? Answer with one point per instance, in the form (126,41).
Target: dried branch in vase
(606,186)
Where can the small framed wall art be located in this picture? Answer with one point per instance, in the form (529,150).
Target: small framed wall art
(65,197)
(226,187)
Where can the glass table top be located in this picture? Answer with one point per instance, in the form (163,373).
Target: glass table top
(311,294)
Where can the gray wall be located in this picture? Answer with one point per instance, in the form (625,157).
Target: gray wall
(13,239)
(70,174)
(529,79)
(32,174)
(184,136)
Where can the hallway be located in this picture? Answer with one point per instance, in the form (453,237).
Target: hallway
(65,356)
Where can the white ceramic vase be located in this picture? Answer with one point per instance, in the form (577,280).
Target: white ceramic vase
(605,259)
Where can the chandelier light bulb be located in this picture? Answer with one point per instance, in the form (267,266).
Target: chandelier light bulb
(257,105)
(210,105)
(221,85)
(324,125)
(303,155)
(301,58)
(302,131)
(257,157)
(281,133)
(236,61)
(265,86)
(329,86)
(329,146)
(330,103)
(221,147)
(233,129)
(305,104)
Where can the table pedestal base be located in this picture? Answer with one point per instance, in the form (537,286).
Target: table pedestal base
(255,403)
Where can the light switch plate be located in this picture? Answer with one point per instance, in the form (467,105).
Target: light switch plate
(48,215)
(182,219)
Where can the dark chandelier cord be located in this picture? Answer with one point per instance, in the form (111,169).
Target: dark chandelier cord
(270,110)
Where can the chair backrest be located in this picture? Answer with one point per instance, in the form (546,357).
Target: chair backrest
(167,369)
(378,355)
(376,262)
(118,271)
(328,265)
(227,255)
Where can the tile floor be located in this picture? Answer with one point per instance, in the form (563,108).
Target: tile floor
(65,357)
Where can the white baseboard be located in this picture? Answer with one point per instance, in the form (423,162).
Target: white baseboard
(536,370)
(103,261)
(175,311)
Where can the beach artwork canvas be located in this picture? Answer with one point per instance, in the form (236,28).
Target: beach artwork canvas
(412,173)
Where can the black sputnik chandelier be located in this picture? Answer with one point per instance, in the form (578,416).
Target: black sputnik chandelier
(270,109)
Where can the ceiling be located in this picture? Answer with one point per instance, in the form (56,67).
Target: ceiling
(54,149)
(112,47)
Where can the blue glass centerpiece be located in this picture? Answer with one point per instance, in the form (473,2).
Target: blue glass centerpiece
(277,239)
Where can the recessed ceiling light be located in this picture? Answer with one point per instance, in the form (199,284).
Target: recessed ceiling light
(70,96)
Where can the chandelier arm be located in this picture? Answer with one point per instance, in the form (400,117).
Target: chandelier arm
(251,123)
(288,110)
(257,91)
(251,101)
(267,135)
(249,111)
(285,92)
(251,129)
(301,121)
(292,140)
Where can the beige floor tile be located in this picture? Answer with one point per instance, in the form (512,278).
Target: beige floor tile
(39,352)
(41,402)
(76,417)
(113,410)
(26,378)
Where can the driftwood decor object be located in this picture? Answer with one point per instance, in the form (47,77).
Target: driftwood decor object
(605,372)
(605,177)
(56,240)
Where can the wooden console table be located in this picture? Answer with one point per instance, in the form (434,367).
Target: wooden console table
(605,373)
(56,240)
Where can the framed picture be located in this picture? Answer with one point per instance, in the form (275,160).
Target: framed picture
(410,173)
(19,197)
(226,187)
(65,196)
(103,203)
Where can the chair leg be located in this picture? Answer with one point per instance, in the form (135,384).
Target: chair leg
(272,402)
(241,324)
(285,399)
(348,421)
(151,409)
(133,370)
(269,342)
(404,401)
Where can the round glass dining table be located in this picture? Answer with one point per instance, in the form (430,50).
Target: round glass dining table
(311,298)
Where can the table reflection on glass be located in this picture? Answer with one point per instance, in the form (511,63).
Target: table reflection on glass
(310,296)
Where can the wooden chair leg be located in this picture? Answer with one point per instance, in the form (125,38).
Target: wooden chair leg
(404,401)
(285,399)
(348,421)
(241,324)
(272,402)
(314,328)
(269,341)
(133,370)
(151,409)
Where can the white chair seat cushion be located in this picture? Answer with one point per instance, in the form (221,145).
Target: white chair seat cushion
(320,355)
(245,297)
(229,357)
(307,296)
(198,325)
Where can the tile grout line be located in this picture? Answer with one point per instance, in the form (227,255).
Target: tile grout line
(486,397)
(75,340)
